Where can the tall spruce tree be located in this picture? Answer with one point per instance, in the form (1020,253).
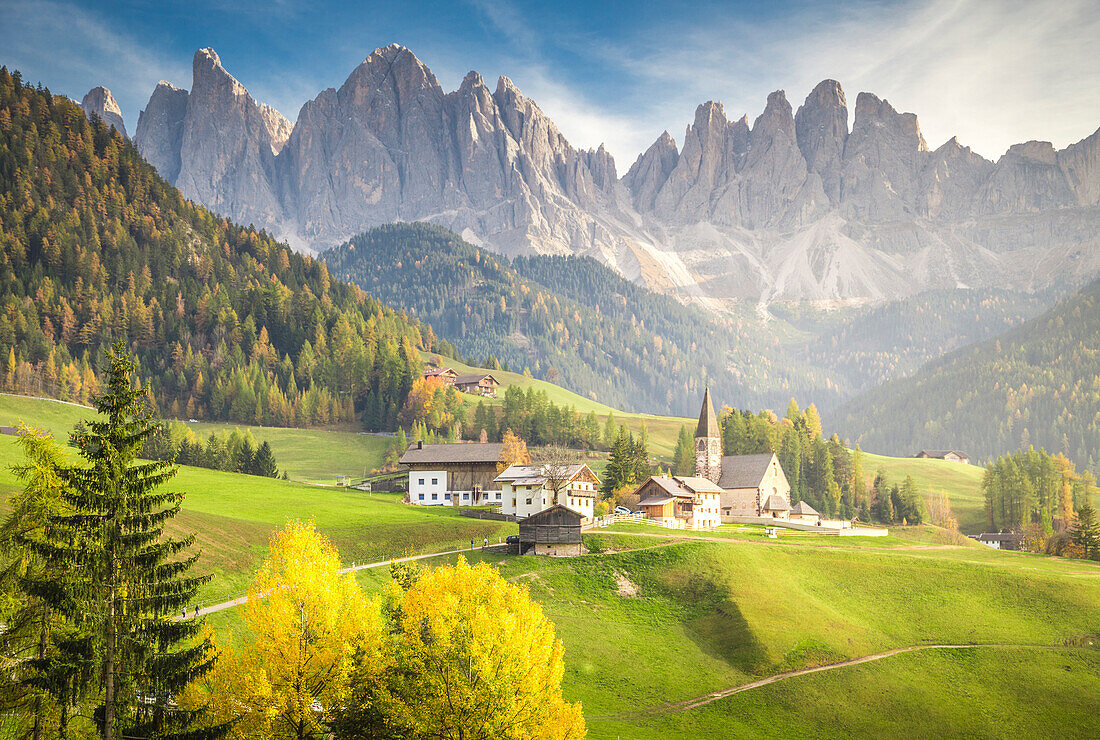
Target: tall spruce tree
(263,462)
(124,586)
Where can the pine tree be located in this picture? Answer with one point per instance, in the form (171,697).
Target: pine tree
(263,462)
(1086,531)
(683,462)
(124,587)
(620,465)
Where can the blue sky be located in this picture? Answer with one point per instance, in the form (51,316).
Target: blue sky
(993,73)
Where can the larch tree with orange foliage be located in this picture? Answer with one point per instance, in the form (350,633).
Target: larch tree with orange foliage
(513,451)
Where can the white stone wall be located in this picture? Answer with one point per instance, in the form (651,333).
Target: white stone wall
(428,488)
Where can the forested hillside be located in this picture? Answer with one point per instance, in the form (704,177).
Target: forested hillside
(1038,384)
(868,346)
(225,323)
(575,322)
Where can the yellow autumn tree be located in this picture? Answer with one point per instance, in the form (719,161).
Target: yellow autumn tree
(471,656)
(513,451)
(307,622)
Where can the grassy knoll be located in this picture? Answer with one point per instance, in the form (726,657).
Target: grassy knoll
(961,483)
(310,455)
(712,615)
(233,516)
(978,692)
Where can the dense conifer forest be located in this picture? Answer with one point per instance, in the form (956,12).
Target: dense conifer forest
(1037,385)
(575,322)
(224,322)
(870,345)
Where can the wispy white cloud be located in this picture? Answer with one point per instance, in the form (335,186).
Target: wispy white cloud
(72,49)
(992,73)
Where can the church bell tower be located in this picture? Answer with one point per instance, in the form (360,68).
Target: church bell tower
(708,442)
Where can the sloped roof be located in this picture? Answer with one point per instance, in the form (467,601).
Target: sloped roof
(468,452)
(657,500)
(708,422)
(671,486)
(476,378)
(776,503)
(535,475)
(804,508)
(699,485)
(744,471)
(433,371)
(940,454)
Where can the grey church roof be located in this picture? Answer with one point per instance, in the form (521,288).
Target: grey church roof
(744,471)
(708,423)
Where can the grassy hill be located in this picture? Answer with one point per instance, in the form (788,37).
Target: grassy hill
(663,430)
(709,616)
(235,514)
(308,455)
(661,618)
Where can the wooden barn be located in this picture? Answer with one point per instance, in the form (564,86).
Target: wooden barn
(554,531)
(948,455)
(481,384)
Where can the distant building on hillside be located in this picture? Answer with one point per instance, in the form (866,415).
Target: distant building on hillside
(752,485)
(529,489)
(482,384)
(681,501)
(949,455)
(446,374)
(1000,540)
(460,474)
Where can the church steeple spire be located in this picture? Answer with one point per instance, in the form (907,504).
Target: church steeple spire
(708,442)
(708,422)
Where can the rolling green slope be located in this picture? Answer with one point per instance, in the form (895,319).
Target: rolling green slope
(234,514)
(709,616)
(307,455)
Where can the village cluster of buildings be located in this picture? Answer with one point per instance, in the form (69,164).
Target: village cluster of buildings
(551,501)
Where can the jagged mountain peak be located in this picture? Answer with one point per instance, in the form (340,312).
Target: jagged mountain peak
(777,116)
(828,93)
(101,103)
(871,110)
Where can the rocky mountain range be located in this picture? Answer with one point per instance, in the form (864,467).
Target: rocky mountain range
(796,205)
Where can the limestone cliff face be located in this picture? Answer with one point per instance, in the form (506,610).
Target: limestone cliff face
(100,103)
(227,159)
(160,129)
(821,127)
(792,207)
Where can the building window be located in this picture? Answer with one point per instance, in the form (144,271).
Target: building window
(465,495)
(421,497)
(447,496)
(435,496)
(528,502)
(421,481)
(435,481)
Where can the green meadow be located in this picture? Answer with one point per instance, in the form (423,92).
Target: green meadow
(661,617)
(672,620)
